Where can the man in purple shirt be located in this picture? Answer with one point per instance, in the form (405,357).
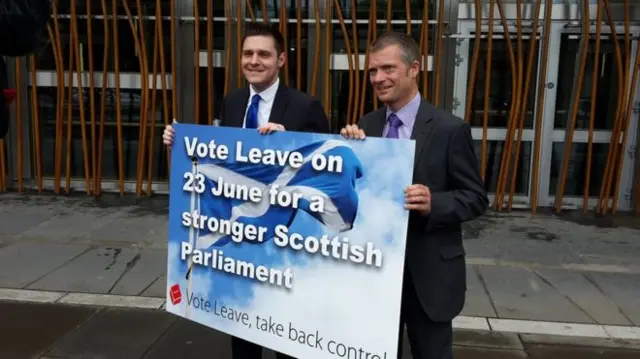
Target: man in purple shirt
(447,191)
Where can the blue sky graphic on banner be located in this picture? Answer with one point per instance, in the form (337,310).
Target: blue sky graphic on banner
(304,230)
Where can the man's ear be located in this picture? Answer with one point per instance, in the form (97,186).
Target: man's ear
(414,70)
(282,58)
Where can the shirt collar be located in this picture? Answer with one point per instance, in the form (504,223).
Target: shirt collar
(408,113)
(268,94)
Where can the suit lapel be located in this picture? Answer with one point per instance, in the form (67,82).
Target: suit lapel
(422,129)
(279,105)
(378,126)
(239,109)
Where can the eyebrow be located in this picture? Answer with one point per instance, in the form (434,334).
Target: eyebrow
(258,50)
(384,66)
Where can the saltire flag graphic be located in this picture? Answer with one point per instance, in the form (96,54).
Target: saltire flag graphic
(338,191)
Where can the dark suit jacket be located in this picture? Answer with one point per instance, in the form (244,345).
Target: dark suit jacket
(295,110)
(445,162)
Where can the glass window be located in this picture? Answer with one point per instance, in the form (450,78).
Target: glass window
(217,95)
(273,8)
(128,60)
(218,8)
(340,99)
(130,116)
(577,171)
(493,157)
(398,9)
(606,93)
(211,99)
(500,88)
(339,44)
(148,7)
(218,25)
(292,53)
(363,8)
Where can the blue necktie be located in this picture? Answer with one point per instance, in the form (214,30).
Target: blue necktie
(394,123)
(252,113)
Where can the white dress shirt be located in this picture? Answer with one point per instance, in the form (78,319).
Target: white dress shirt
(266,103)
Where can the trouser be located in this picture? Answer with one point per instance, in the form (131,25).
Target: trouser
(242,349)
(428,339)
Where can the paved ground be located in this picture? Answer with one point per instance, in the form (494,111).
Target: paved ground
(55,331)
(566,275)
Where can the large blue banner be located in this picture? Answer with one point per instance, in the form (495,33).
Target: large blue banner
(294,241)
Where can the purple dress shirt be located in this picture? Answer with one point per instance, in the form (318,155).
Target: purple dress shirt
(407,115)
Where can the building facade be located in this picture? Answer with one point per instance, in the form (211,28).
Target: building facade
(543,113)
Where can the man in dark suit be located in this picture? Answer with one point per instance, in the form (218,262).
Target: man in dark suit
(447,191)
(266,105)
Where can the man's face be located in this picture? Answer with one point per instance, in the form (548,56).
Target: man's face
(260,60)
(391,78)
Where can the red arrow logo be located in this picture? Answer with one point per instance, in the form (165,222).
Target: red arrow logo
(175,294)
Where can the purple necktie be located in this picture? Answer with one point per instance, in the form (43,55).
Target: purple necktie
(394,123)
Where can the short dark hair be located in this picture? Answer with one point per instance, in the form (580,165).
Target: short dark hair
(406,43)
(259,29)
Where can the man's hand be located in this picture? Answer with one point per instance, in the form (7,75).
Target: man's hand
(418,198)
(168,134)
(271,127)
(352,132)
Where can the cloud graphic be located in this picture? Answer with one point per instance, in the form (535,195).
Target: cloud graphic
(327,294)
